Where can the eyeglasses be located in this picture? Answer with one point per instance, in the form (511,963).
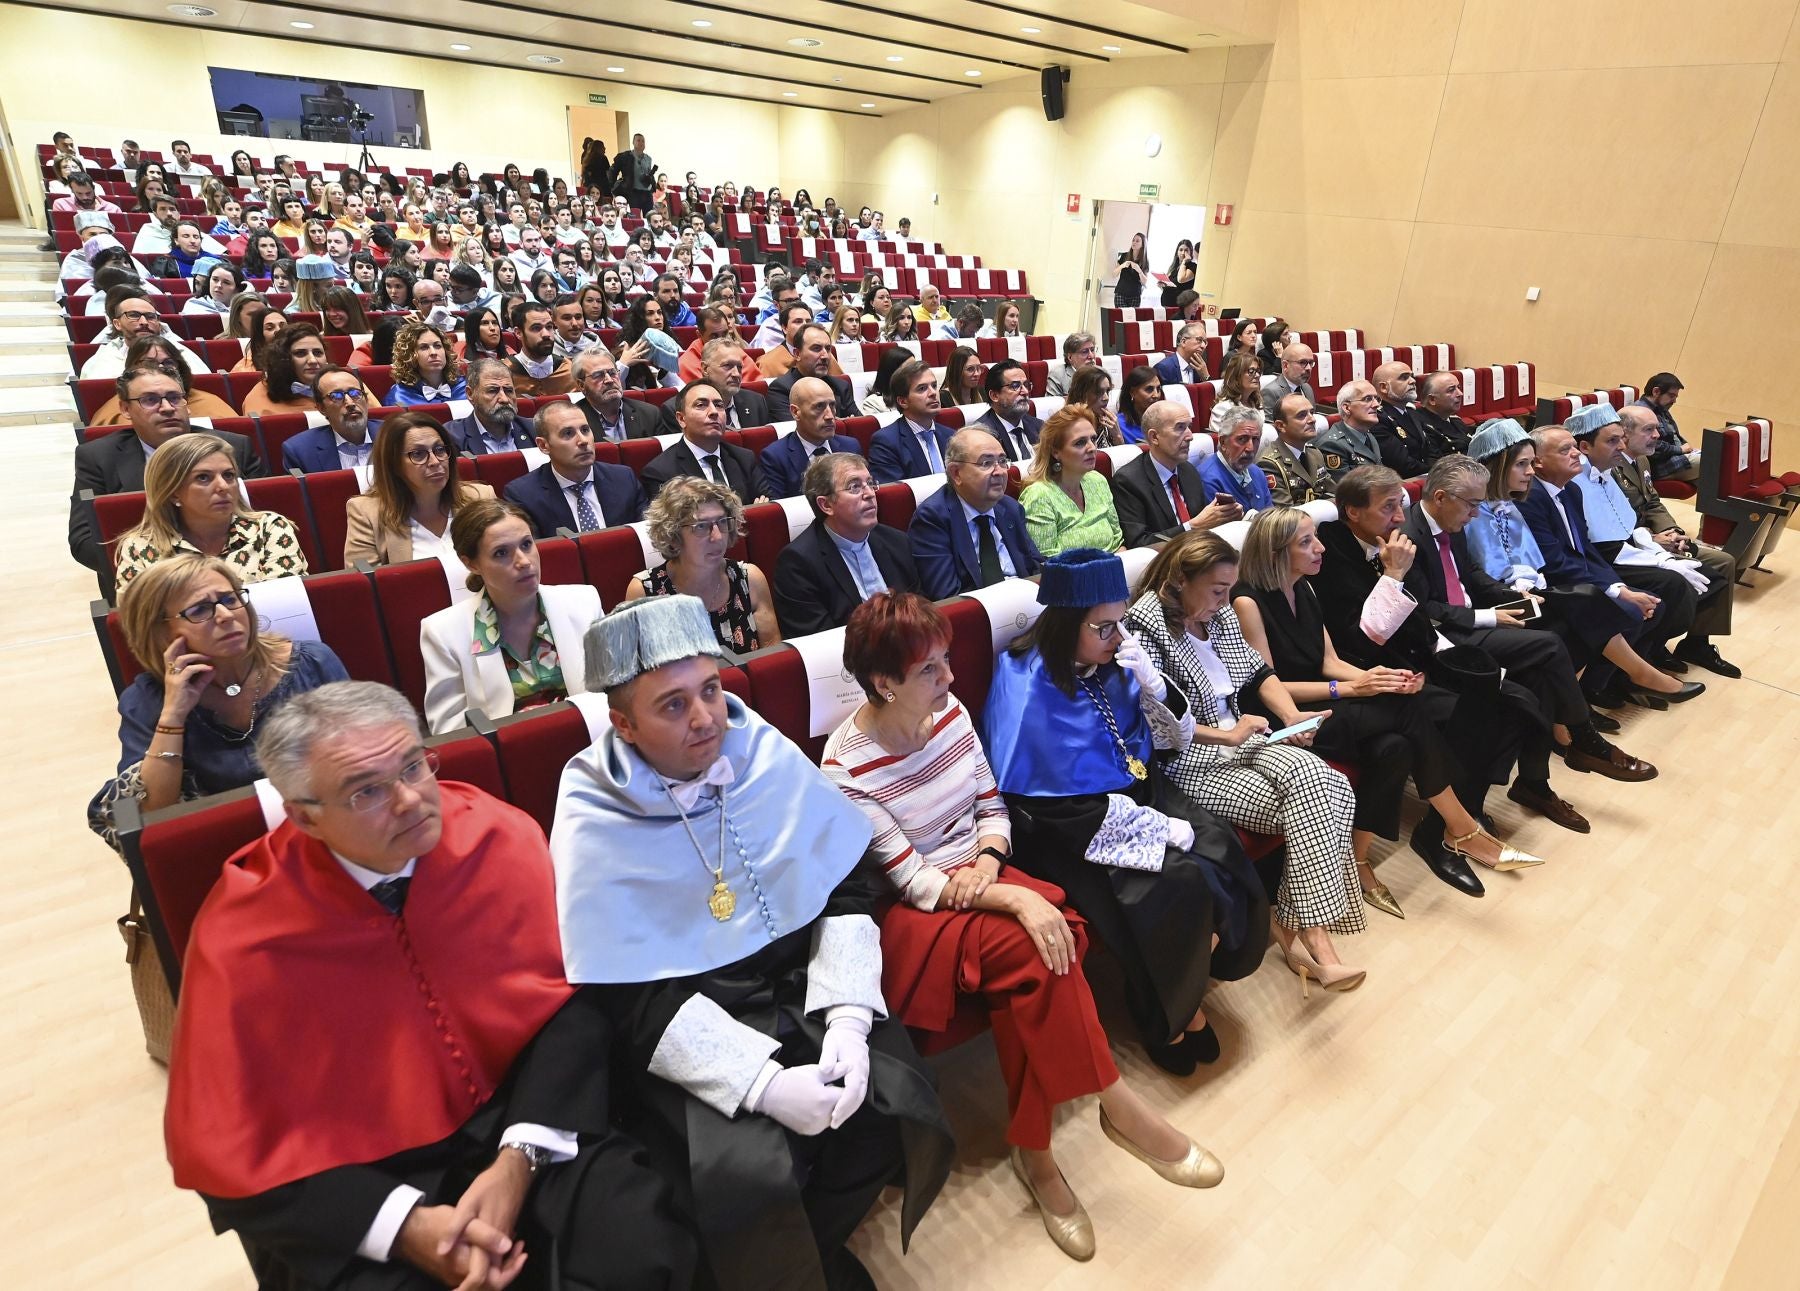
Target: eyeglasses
(859,487)
(355,394)
(1105,631)
(706,528)
(1304,363)
(151,402)
(373,797)
(1473,504)
(138,316)
(426,453)
(202,611)
(1015,385)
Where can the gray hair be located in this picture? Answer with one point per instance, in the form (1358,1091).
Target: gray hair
(820,480)
(586,359)
(479,369)
(1239,416)
(1075,341)
(1351,390)
(1540,435)
(284,746)
(719,344)
(1190,329)
(1451,471)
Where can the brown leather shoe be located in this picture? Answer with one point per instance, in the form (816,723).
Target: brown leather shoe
(1551,807)
(1617,765)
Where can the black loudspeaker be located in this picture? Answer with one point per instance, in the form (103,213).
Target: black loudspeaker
(1053,79)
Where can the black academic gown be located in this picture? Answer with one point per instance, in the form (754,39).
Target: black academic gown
(774,1208)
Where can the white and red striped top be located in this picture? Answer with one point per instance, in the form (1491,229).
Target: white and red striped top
(929,809)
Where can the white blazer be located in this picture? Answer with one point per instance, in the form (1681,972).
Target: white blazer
(456,679)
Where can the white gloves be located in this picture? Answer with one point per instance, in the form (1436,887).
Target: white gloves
(806,1099)
(1181,834)
(845,1055)
(1131,657)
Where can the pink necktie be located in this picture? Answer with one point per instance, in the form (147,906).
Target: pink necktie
(1453,588)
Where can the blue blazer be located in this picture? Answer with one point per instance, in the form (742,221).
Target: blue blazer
(991,421)
(466,431)
(944,549)
(895,455)
(1169,369)
(1565,565)
(785,461)
(1218,479)
(316,450)
(545,501)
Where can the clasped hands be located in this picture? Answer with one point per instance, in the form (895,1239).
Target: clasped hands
(470,1245)
(806,1099)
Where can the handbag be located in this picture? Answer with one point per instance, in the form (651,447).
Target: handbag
(155,1002)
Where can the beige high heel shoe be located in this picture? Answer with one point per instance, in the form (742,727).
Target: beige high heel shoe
(1073,1233)
(1511,858)
(1333,977)
(1197,1168)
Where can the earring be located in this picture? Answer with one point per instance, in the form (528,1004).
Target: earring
(890,697)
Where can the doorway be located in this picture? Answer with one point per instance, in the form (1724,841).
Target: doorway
(1163,225)
(593,123)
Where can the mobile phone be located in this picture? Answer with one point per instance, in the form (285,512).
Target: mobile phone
(1526,608)
(1298,728)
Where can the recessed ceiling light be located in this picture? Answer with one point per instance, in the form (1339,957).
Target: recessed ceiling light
(1031,31)
(461,49)
(545,59)
(971,72)
(303,26)
(193,11)
(1109,49)
(701,22)
(895,58)
(805,42)
(615,69)
(789,94)
(868,105)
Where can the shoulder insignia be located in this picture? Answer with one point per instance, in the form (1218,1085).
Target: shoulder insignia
(1333,461)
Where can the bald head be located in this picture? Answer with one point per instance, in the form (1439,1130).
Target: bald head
(1297,363)
(1168,428)
(814,405)
(1394,382)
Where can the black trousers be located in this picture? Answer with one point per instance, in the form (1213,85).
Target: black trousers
(1540,662)
(1675,616)
(1389,738)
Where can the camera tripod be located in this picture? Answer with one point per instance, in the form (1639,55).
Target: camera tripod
(365,160)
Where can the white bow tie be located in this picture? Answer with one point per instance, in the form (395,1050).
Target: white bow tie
(687,792)
(436,392)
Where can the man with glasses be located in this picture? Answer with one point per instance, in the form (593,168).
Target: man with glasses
(347,440)
(493,424)
(724,362)
(1009,414)
(845,556)
(158,411)
(573,490)
(785,462)
(1297,367)
(393,911)
(1351,443)
(610,415)
(969,534)
(702,451)
(131,317)
(1187,365)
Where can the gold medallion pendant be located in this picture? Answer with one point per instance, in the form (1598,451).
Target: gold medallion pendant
(1138,770)
(722,902)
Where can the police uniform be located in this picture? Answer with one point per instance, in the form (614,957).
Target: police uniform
(1441,435)
(1402,444)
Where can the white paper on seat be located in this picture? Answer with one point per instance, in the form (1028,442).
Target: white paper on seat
(861,383)
(365,476)
(832,691)
(205,423)
(456,577)
(534,457)
(911,347)
(283,606)
(460,408)
(274,810)
(849,356)
(1050,403)
(314,420)
(1015,348)
(1233,531)
(1201,446)
(799,515)
(1011,606)
(924,486)
(1179,394)
(652,557)
(594,711)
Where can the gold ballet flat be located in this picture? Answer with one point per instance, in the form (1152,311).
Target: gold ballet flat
(1511,858)
(1073,1233)
(1383,900)
(1198,1169)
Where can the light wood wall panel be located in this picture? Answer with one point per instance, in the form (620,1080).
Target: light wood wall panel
(1330,40)
(1765,210)
(1745,323)
(1315,267)
(1539,35)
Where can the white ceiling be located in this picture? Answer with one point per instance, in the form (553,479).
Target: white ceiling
(872,57)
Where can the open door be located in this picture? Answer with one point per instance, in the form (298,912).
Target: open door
(591,123)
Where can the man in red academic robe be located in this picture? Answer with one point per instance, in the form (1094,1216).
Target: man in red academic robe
(380,1077)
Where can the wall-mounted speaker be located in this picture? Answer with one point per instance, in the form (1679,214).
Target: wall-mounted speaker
(1053,80)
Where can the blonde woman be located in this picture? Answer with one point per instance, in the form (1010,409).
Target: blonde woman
(693,523)
(413,496)
(209,675)
(846,326)
(192,506)
(1068,502)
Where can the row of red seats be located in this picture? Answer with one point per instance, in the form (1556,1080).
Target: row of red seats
(1744,505)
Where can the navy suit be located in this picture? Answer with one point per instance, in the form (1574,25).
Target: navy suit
(781,393)
(1169,369)
(990,421)
(316,450)
(546,500)
(944,549)
(466,431)
(895,455)
(785,461)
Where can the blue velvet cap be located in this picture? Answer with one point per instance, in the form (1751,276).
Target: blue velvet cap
(1081,577)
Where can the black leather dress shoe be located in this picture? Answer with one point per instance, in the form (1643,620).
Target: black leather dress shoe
(1668,663)
(1604,724)
(1451,868)
(1689,689)
(1707,656)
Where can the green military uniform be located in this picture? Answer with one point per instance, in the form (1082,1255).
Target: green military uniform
(1294,481)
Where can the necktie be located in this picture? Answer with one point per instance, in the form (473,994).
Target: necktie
(1021,445)
(987,553)
(391,893)
(928,442)
(820,451)
(711,463)
(1375,563)
(585,517)
(1453,588)
(731,419)
(1575,535)
(1181,510)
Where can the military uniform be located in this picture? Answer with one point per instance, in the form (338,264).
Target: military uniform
(1345,448)
(1636,481)
(1294,481)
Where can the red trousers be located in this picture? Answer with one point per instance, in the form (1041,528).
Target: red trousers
(1049,1040)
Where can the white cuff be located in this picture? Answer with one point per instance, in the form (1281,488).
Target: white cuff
(851,1015)
(1486,618)
(1130,836)
(1616,590)
(770,1070)
(845,967)
(378,1242)
(1386,608)
(711,1054)
(560,1144)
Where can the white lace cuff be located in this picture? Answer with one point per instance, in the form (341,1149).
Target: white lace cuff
(711,1054)
(1167,731)
(845,967)
(1131,837)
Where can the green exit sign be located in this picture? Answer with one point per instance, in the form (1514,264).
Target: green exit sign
(599,99)
(1149,192)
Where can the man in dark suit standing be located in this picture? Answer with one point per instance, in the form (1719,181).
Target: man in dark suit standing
(724,361)
(785,462)
(845,557)
(573,491)
(702,452)
(610,415)
(913,444)
(347,439)
(494,425)
(115,463)
(1461,599)
(634,176)
(1159,493)
(969,534)
(812,358)
(1009,414)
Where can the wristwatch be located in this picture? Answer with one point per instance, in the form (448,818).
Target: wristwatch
(994,852)
(537,1158)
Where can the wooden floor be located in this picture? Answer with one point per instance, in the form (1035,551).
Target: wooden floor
(1587,1080)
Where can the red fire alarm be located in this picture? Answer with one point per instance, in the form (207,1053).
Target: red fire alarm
(1074,204)
(1222,214)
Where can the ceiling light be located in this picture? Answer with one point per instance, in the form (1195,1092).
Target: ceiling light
(895,58)
(971,72)
(805,42)
(868,105)
(461,49)
(701,22)
(193,11)
(546,59)
(303,26)
(1109,49)
(789,94)
(615,69)
(1031,31)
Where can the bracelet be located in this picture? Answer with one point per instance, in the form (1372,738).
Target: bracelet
(170,730)
(1333,686)
(994,852)
(167,754)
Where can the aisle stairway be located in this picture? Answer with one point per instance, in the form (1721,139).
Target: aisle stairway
(34,357)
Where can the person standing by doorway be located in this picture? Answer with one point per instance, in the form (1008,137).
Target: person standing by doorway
(634,175)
